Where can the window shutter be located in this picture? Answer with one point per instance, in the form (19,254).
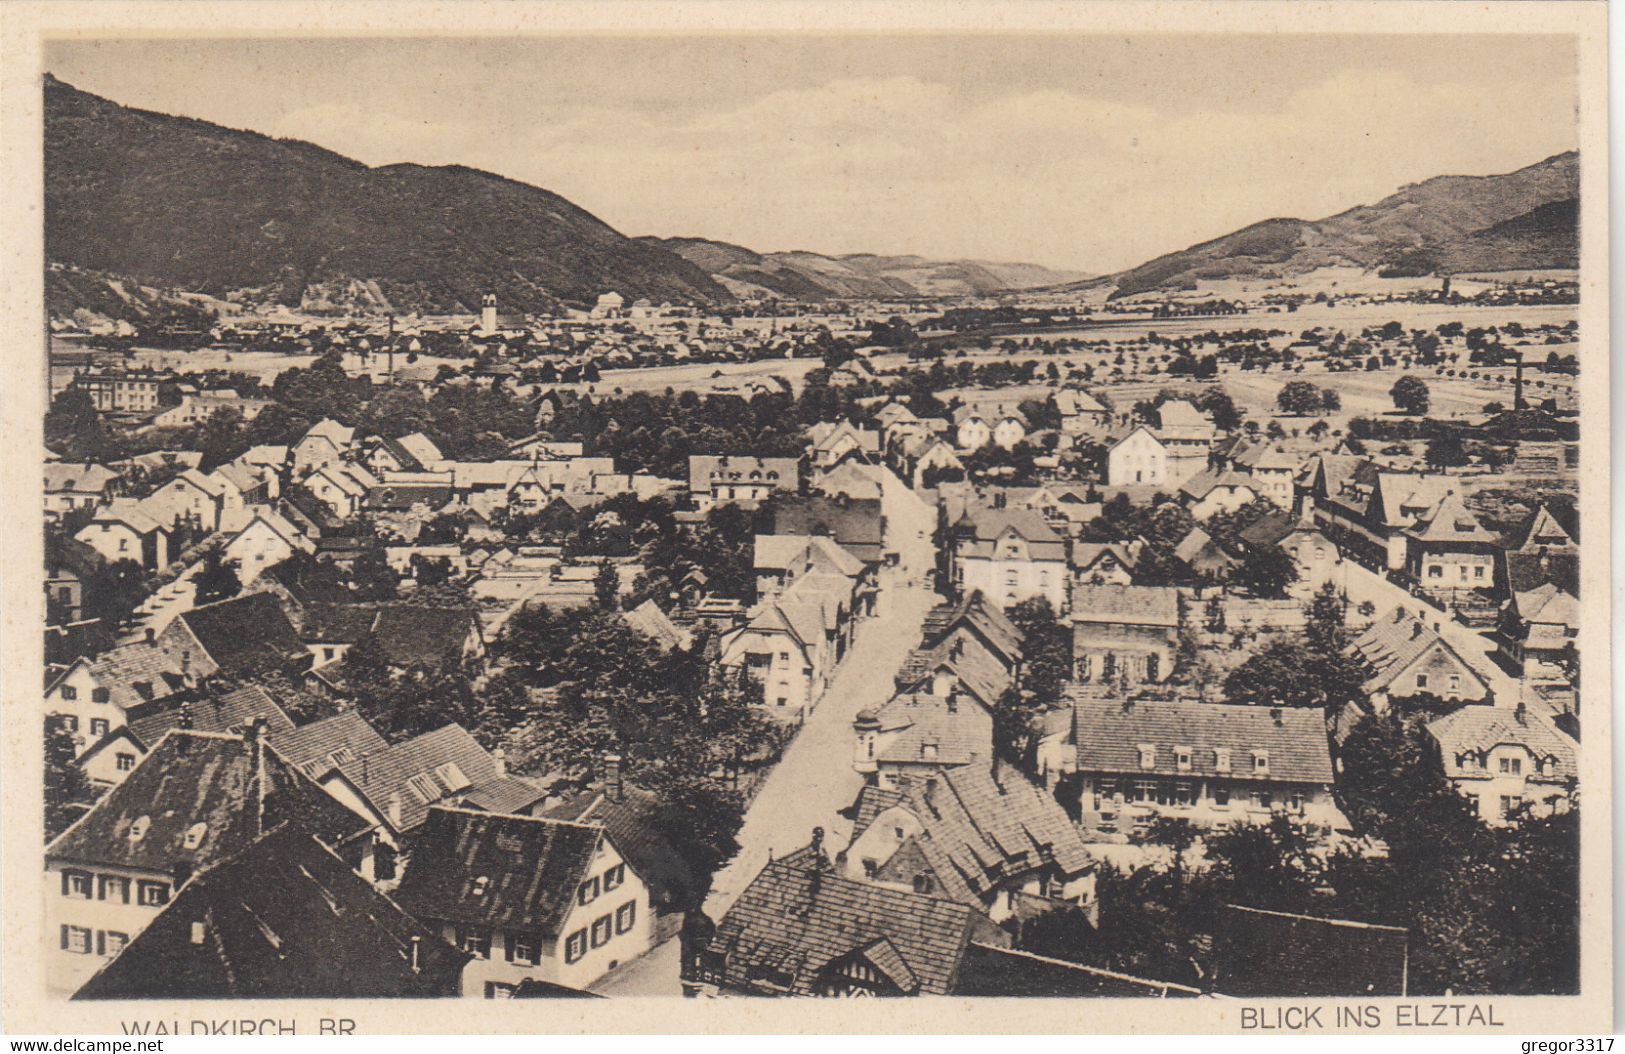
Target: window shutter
(507,946)
(64,938)
(64,893)
(101,942)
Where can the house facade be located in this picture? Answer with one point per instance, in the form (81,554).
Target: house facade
(1008,555)
(1124,634)
(1506,762)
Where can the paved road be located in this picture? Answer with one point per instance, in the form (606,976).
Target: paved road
(812,781)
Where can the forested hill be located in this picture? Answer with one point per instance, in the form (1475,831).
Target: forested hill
(172,202)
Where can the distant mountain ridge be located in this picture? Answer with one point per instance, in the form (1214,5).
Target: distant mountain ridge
(141,207)
(185,204)
(1522,220)
(815,276)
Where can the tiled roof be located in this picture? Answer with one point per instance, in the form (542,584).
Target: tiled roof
(232,712)
(635,827)
(926,731)
(1086,554)
(1528,569)
(319,747)
(1543,530)
(505,794)
(1451,522)
(986,526)
(64,476)
(856,524)
(243,632)
(977,831)
(415,773)
(1273,953)
(649,620)
(853,480)
(1076,401)
(192,778)
(975,614)
(401,496)
(1476,730)
(512,872)
(1394,642)
(1109,736)
(123,670)
(708,470)
(285,919)
(1269,530)
(976,667)
(409,635)
(1210,479)
(1130,605)
(1548,603)
(792,921)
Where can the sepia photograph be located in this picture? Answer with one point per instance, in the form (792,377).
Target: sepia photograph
(973,513)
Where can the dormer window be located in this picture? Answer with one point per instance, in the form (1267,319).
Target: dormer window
(194,835)
(1221,760)
(1148,756)
(1261,762)
(1182,757)
(138,829)
(481,884)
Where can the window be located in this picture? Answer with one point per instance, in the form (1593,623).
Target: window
(70,722)
(498,990)
(1297,801)
(76,884)
(1182,757)
(1184,793)
(138,829)
(475,941)
(194,835)
(452,777)
(1455,682)
(1145,790)
(1109,789)
(111,942)
(1263,799)
(113,887)
(98,726)
(784,657)
(1435,571)
(588,892)
(869,868)
(1148,756)
(424,787)
(614,877)
(1478,572)
(524,948)
(1509,804)
(152,894)
(625,916)
(1421,680)
(922,883)
(126,762)
(1221,760)
(601,931)
(1221,797)
(1511,766)
(76,939)
(100,695)
(69,692)
(1261,761)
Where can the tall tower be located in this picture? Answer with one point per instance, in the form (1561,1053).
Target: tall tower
(488,314)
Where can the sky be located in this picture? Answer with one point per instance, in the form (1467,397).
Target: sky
(1093,153)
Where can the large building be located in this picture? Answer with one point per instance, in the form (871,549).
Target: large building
(1124,633)
(1009,555)
(1126,762)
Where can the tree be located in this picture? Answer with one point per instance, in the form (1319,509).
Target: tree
(216,578)
(1288,672)
(1445,452)
(1266,570)
(606,586)
(1410,395)
(1330,401)
(67,789)
(1325,621)
(1300,398)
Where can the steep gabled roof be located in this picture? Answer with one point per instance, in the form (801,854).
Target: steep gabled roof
(244,632)
(1131,605)
(1394,642)
(1451,523)
(635,827)
(232,713)
(416,774)
(321,746)
(284,919)
(512,872)
(795,919)
(1543,530)
(220,790)
(1474,731)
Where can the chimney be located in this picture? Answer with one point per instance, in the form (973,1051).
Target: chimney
(1416,630)
(500,756)
(1399,615)
(150,635)
(415,954)
(1275,714)
(1521,713)
(613,789)
(365,766)
(200,931)
(953,702)
(395,810)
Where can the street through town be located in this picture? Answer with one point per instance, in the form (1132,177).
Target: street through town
(812,781)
